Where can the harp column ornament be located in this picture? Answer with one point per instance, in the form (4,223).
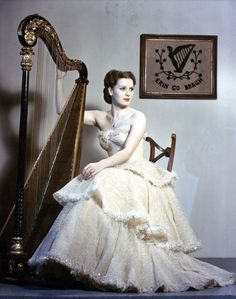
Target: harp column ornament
(26,62)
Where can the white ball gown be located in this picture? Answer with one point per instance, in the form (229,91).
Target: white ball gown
(124,230)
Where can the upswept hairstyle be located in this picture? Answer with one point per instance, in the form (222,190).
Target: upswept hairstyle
(111,79)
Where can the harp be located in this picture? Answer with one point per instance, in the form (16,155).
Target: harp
(179,56)
(58,160)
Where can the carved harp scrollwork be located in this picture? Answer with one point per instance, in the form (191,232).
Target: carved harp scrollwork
(58,160)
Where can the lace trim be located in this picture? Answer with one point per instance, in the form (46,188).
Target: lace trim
(167,179)
(65,197)
(114,131)
(144,229)
(111,136)
(110,283)
(143,226)
(180,247)
(147,231)
(96,279)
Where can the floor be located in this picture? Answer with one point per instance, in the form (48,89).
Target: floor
(28,291)
(17,291)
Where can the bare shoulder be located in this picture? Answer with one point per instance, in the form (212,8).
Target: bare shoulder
(96,112)
(138,115)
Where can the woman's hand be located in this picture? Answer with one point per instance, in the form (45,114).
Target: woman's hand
(60,91)
(60,74)
(92,169)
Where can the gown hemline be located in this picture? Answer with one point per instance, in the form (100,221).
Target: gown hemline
(132,241)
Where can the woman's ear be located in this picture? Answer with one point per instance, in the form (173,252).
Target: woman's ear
(110,91)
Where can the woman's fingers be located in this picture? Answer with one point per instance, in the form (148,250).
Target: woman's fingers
(88,172)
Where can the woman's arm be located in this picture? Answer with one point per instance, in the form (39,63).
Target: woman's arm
(60,91)
(137,131)
(94,118)
(89,116)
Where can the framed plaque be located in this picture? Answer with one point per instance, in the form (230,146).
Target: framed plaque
(178,66)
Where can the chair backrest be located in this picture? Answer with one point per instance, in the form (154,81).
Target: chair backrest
(168,152)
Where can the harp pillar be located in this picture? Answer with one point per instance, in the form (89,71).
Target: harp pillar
(17,255)
(61,150)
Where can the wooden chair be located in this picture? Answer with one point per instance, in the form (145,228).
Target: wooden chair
(168,152)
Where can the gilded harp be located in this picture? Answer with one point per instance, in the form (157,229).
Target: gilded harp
(58,160)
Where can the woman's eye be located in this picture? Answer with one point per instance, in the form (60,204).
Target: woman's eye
(124,88)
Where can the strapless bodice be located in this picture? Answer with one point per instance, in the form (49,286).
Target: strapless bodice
(112,141)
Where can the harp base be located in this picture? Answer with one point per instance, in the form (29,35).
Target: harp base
(17,261)
(16,268)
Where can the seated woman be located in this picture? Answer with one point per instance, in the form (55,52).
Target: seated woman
(121,227)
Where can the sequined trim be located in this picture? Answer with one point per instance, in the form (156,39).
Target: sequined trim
(142,224)
(111,283)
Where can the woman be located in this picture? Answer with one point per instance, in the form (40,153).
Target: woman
(121,227)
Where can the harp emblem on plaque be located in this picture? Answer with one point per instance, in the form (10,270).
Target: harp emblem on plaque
(179,56)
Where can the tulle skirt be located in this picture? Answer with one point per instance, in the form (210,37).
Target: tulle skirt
(124,230)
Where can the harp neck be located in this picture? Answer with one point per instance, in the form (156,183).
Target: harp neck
(33,27)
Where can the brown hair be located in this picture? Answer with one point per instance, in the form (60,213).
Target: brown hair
(111,79)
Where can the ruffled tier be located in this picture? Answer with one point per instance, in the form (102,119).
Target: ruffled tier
(141,196)
(124,230)
(109,255)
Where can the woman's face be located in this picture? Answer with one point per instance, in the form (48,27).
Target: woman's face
(122,93)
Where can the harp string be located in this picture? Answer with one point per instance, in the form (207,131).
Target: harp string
(43,119)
